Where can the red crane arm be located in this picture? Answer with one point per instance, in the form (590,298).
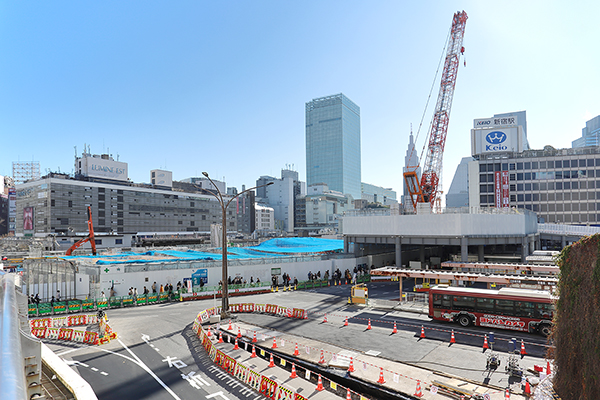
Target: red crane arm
(427,190)
(88,238)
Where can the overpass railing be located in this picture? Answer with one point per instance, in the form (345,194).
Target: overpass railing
(568,230)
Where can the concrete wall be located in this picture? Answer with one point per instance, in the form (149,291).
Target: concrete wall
(441,225)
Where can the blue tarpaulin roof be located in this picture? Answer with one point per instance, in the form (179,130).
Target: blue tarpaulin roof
(280,247)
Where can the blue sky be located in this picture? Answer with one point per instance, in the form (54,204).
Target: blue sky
(221,86)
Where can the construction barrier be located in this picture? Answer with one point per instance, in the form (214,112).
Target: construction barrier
(59,328)
(76,306)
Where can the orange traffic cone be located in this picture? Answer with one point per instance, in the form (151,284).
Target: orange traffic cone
(209,334)
(322,359)
(523,352)
(274,344)
(507,394)
(369,326)
(527,390)
(485,343)
(239,335)
(220,337)
(293,375)
(271,362)
(348,395)
(325,318)
(230,328)
(395,330)
(346,322)
(254,338)
(418,391)
(452,340)
(548,368)
(319,384)
(236,347)
(422,333)
(296,352)
(351,367)
(253,355)
(381,380)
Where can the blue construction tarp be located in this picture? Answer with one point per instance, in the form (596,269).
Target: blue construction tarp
(279,247)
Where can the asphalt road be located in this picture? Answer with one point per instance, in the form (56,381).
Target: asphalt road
(157,356)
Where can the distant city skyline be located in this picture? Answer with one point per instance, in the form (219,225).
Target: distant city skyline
(192,87)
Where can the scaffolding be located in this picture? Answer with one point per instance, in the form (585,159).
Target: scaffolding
(24,171)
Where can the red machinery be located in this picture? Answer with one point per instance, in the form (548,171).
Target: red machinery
(88,238)
(427,190)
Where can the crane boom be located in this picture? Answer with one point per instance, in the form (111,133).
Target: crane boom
(88,238)
(427,190)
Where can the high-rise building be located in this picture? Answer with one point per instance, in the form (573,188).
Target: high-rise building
(590,135)
(333,144)
(281,196)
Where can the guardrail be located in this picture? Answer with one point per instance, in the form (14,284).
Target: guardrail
(77,306)
(12,378)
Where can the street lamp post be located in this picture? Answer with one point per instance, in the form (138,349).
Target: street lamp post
(219,196)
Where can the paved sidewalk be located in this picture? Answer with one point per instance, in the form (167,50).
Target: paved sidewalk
(397,376)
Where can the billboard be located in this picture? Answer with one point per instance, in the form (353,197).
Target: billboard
(12,210)
(501,189)
(27,218)
(493,122)
(497,140)
(97,167)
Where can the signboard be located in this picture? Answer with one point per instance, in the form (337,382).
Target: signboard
(497,140)
(12,210)
(492,122)
(200,275)
(501,189)
(505,190)
(27,218)
(102,168)
(498,188)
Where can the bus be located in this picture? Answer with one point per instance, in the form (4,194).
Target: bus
(522,310)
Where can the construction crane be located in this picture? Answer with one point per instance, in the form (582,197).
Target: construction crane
(427,190)
(88,238)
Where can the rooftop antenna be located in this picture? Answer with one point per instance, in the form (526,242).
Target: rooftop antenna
(117,156)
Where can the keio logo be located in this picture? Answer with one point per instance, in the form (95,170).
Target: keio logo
(495,139)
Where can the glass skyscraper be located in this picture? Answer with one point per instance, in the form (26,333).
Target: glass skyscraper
(333,144)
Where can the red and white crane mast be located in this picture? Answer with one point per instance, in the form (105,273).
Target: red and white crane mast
(427,191)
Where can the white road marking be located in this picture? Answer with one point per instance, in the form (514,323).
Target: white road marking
(94,369)
(210,396)
(104,373)
(149,371)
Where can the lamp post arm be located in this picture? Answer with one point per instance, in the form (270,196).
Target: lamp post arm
(247,190)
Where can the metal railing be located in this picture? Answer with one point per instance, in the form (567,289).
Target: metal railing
(12,378)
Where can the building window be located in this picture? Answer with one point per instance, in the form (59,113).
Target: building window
(542,164)
(567,185)
(513,198)
(482,188)
(527,176)
(534,165)
(482,167)
(511,166)
(559,185)
(527,196)
(519,187)
(118,241)
(192,223)
(520,197)
(566,163)
(550,164)
(558,164)
(98,241)
(519,166)
(512,177)
(528,186)
(483,178)
(519,176)
(575,185)
(527,165)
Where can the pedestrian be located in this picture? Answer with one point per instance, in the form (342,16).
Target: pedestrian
(257,280)
(37,298)
(145,290)
(130,291)
(162,289)
(103,296)
(251,280)
(58,295)
(135,293)
(295,281)
(154,287)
